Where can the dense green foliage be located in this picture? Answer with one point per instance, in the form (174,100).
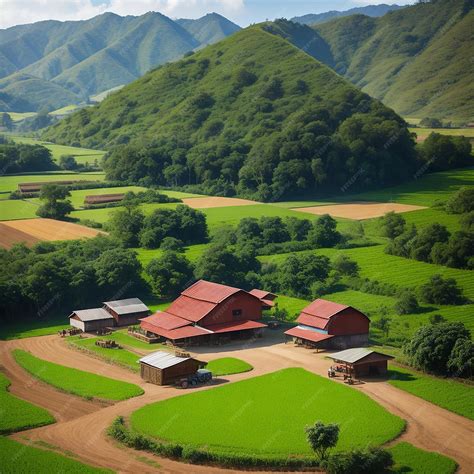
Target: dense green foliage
(437,348)
(20,158)
(18,457)
(322,438)
(284,126)
(55,205)
(362,420)
(77,382)
(18,414)
(461,202)
(360,461)
(441,291)
(228,366)
(442,152)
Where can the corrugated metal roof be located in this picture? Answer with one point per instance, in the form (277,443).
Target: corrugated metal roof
(235,326)
(127,306)
(356,354)
(162,360)
(262,294)
(165,320)
(189,308)
(125,302)
(208,291)
(307,334)
(314,321)
(93,314)
(323,308)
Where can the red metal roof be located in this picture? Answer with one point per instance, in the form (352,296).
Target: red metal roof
(209,291)
(164,320)
(262,294)
(324,309)
(307,334)
(313,321)
(174,334)
(236,326)
(269,303)
(189,308)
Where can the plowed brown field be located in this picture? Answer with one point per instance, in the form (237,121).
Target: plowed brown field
(208,202)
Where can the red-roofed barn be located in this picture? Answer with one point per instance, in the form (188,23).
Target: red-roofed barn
(329,325)
(205,312)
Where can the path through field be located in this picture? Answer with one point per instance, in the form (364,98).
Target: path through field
(82,430)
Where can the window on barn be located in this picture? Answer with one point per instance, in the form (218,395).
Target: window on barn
(236,313)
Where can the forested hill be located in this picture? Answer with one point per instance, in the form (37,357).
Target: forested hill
(73,60)
(252,115)
(417,60)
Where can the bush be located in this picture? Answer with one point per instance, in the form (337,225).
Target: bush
(393,225)
(461,202)
(407,303)
(358,461)
(345,266)
(441,291)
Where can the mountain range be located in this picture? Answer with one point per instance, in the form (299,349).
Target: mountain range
(73,60)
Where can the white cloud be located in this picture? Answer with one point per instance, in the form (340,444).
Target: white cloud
(14,12)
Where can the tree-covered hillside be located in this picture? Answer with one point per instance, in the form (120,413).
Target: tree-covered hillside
(417,60)
(251,115)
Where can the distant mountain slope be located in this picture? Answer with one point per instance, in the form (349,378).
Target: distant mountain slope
(416,60)
(252,115)
(369,10)
(91,56)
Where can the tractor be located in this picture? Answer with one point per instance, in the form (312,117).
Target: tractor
(200,377)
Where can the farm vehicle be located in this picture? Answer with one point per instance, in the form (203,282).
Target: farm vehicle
(202,376)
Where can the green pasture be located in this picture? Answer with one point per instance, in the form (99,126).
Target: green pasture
(77,382)
(122,338)
(32,328)
(17,457)
(449,394)
(453,132)
(19,116)
(193,252)
(117,356)
(228,366)
(65,110)
(292,305)
(408,458)
(17,209)
(17,414)
(246,417)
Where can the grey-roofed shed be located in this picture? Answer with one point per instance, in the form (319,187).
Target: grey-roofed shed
(164,368)
(127,311)
(361,361)
(91,319)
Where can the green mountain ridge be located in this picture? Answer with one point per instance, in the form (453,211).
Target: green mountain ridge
(252,115)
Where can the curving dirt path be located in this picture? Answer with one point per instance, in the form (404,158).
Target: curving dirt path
(81,428)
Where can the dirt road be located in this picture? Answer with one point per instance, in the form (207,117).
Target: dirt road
(82,430)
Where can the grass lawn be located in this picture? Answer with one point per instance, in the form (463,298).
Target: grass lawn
(18,414)
(19,116)
(122,337)
(408,458)
(17,457)
(228,366)
(265,416)
(426,217)
(454,132)
(292,305)
(32,328)
(115,356)
(16,209)
(449,394)
(77,382)
(193,252)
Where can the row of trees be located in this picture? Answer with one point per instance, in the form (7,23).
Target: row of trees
(19,158)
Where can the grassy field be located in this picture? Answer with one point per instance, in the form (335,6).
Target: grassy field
(121,337)
(82,155)
(246,417)
(18,414)
(33,328)
(454,132)
(16,209)
(408,458)
(449,394)
(17,457)
(228,366)
(77,382)
(115,356)
(19,116)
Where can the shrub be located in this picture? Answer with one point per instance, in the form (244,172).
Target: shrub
(441,291)
(407,303)
(345,266)
(461,202)
(393,225)
(359,461)
(322,437)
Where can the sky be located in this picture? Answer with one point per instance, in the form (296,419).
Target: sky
(242,12)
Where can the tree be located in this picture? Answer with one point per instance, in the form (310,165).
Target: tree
(117,269)
(345,266)
(170,274)
(125,225)
(383,324)
(407,303)
(430,122)
(422,245)
(55,205)
(68,162)
(461,359)
(467,221)
(436,319)
(431,346)
(461,202)
(297,228)
(443,152)
(322,437)
(393,225)
(441,291)
(172,244)
(324,233)
(373,460)
(273,230)
(6,121)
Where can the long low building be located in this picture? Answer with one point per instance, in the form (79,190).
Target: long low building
(205,312)
(124,312)
(360,362)
(328,325)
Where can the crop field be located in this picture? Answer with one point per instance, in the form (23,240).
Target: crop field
(77,382)
(17,209)
(448,394)
(427,217)
(229,418)
(216,201)
(117,356)
(423,133)
(17,457)
(408,458)
(19,116)
(18,414)
(228,366)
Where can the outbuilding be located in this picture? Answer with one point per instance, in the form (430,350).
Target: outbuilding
(328,325)
(164,368)
(88,320)
(359,362)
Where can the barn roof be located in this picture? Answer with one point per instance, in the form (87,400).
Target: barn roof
(262,294)
(307,334)
(208,291)
(356,354)
(162,360)
(127,306)
(94,314)
(164,320)
(235,326)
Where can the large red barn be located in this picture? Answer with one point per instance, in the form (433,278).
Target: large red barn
(205,312)
(329,325)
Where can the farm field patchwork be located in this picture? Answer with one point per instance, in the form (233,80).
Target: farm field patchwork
(19,116)
(17,209)
(18,414)
(193,252)
(409,458)
(216,201)
(238,418)
(18,457)
(77,382)
(448,394)
(114,356)
(228,366)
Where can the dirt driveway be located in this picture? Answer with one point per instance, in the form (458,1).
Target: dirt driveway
(81,428)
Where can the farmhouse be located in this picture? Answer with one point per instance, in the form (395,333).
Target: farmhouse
(362,361)
(163,368)
(328,325)
(207,312)
(113,313)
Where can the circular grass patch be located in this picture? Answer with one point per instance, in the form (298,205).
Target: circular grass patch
(266,416)
(228,366)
